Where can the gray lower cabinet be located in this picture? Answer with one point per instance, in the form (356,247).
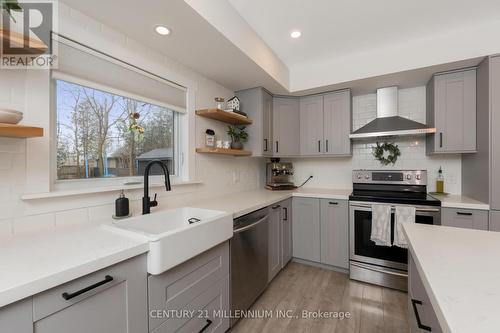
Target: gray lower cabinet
(112,300)
(199,287)
(286,127)
(306,229)
(494,222)
(421,315)
(337,123)
(465,218)
(334,233)
(17,317)
(274,247)
(258,104)
(286,232)
(451,108)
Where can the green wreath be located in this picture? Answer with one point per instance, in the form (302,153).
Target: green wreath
(391,148)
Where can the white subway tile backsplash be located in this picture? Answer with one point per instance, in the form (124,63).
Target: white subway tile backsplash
(5,228)
(33,223)
(72,217)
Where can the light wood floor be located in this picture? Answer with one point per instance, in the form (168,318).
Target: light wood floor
(300,287)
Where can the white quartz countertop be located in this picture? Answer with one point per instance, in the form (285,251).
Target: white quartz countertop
(459,269)
(242,203)
(32,263)
(460,201)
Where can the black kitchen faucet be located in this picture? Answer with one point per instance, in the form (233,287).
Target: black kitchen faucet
(146,201)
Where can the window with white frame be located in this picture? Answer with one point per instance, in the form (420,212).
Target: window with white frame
(111,117)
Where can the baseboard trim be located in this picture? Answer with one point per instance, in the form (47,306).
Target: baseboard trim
(320,265)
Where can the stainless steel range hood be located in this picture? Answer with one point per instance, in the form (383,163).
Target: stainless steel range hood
(388,123)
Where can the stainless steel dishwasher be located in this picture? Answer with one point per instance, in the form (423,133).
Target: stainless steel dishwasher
(249,263)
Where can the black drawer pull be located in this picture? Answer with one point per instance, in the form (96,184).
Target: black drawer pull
(107,279)
(462,213)
(276,207)
(333,203)
(414,303)
(209,322)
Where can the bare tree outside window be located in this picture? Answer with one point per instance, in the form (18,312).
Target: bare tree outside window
(100,134)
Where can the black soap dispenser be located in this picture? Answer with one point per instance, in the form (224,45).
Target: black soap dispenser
(121,206)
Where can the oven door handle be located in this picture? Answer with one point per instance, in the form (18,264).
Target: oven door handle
(371,268)
(431,210)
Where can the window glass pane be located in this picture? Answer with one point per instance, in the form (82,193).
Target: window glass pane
(100,134)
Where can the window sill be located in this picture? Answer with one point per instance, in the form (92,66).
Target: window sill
(93,190)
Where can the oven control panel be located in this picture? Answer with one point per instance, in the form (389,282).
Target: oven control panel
(403,177)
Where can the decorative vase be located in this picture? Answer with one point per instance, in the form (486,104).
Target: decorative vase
(236,145)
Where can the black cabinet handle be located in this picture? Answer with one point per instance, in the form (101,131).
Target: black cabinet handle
(68,296)
(265,144)
(414,303)
(285,218)
(277,146)
(333,203)
(319,146)
(441,140)
(209,322)
(327,146)
(462,213)
(276,207)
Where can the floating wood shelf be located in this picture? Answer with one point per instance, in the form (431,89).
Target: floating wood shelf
(222,151)
(226,117)
(17,39)
(20,131)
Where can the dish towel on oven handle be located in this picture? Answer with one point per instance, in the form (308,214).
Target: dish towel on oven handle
(404,214)
(381,225)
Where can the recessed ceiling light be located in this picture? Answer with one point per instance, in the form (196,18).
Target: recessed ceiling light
(295,34)
(162,30)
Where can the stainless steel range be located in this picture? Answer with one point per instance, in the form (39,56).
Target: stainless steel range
(385,265)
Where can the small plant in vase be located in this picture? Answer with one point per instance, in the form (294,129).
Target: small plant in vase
(238,136)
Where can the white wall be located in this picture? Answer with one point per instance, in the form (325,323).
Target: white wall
(336,172)
(219,175)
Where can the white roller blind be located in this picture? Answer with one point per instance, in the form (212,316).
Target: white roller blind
(87,67)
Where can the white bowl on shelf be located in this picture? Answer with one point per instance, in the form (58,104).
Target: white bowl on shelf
(10,116)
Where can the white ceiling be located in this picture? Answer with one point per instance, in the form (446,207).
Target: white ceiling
(193,42)
(361,44)
(336,28)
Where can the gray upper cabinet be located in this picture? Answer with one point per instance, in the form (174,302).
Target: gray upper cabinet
(274,258)
(451,108)
(337,123)
(267,132)
(258,104)
(286,127)
(306,229)
(334,233)
(17,317)
(311,126)
(286,232)
(495,132)
(465,218)
(112,300)
(325,124)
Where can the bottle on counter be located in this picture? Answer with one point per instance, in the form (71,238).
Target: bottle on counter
(440,181)
(121,206)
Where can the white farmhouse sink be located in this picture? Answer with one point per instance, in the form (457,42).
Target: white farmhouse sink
(172,238)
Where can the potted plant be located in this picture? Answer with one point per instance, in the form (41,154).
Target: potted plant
(238,136)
